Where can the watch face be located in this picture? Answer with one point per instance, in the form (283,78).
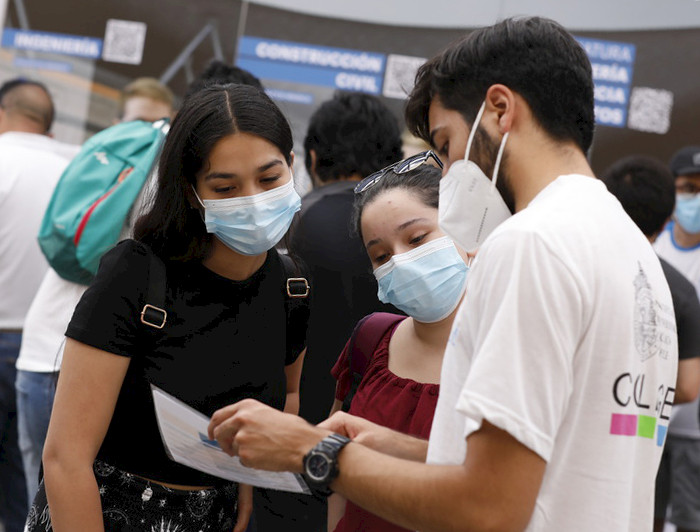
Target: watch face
(318,467)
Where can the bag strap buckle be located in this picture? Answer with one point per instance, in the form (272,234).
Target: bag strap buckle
(297,287)
(153,316)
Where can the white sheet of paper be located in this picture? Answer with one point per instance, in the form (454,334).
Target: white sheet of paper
(184,433)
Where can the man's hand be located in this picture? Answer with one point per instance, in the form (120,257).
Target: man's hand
(377,437)
(262,437)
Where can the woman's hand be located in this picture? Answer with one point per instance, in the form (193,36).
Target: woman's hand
(245,507)
(377,437)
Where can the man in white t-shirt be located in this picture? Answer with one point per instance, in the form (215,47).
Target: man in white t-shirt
(679,244)
(30,164)
(559,374)
(50,311)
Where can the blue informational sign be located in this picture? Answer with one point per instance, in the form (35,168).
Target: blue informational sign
(290,96)
(40,64)
(54,43)
(613,67)
(309,64)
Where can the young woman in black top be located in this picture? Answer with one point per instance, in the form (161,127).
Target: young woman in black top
(225,197)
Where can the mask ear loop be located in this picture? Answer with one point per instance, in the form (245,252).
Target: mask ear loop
(497,166)
(477,120)
(197,196)
(203,209)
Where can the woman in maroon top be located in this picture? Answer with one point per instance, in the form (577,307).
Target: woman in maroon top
(421,272)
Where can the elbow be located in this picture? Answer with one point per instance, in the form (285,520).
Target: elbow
(62,462)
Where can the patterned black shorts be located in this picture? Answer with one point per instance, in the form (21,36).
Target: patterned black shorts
(132,504)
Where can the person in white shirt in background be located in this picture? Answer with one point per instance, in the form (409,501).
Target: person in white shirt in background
(30,164)
(679,244)
(558,377)
(40,354)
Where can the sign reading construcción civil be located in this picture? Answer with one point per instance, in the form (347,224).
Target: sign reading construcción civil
(54,43)
(613,66)
(309,64)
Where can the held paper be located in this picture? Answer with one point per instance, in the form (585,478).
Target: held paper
(184,434)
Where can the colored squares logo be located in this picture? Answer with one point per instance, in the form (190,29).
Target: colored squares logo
(623,425)
(646,426)
(642,426)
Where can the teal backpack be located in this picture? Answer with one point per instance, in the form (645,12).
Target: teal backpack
(94,195)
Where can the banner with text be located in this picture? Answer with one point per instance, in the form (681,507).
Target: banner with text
(338,68)
(613,66)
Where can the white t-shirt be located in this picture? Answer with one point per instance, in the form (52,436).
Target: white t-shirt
(52,308)
(684,422)
(46,323)
(566,340)
(30,166)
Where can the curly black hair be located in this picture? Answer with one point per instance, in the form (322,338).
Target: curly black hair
(352,134)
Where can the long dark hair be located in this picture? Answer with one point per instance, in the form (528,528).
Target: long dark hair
(423,182)
(173,228)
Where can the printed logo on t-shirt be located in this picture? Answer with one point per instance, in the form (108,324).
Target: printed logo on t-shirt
(654,332)
(654,327)
(653,407)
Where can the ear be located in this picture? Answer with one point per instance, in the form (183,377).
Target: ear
(501,102)
(313,157)
(314,161)
(291,159)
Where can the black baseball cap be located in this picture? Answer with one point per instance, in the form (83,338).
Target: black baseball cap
(686,161)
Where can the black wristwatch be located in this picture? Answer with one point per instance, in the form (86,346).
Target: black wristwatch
(321,464)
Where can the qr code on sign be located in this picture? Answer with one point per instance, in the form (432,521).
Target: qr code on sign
(650,110)
(124,40)
(400,75)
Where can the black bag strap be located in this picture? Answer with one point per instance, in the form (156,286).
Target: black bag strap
(153,313)
(297,289)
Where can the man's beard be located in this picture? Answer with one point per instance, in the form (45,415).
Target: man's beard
(485,151)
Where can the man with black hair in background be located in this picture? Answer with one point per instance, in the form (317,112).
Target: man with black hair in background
(558,377)
(644,186)
(349,137)
(30,165)
(219,73)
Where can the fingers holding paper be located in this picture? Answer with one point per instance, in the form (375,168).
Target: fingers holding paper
(262,437)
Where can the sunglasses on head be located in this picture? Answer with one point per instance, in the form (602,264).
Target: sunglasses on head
(401,167)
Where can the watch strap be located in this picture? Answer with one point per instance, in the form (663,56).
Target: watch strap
(330,446)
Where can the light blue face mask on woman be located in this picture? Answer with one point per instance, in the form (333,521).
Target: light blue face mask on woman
(687,212)
(251,225)
(427,283)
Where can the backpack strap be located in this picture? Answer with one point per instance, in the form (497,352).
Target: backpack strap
(297,288)
(153,313)
(368,332)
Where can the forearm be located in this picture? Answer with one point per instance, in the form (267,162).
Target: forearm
(377,437)
(291,403)
(408,448)
(336,509)
(73,497)
(429,498)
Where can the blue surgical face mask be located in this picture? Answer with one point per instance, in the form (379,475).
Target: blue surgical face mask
(251,225)
(687,212)
(427,283)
